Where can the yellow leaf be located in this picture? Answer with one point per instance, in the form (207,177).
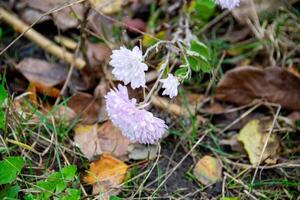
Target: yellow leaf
(208,170)
(253,136)
(107,6)
(106,173)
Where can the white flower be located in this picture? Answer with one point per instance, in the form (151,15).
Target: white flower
(129,67)
(170,85)
(138,124)
(229,4)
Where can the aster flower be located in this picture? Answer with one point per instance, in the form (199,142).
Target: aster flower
(229,4)
(137,124)
(170,85)
(128,66)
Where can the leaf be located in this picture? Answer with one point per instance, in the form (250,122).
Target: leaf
(3,94)
(73,194)
(141,152)
(204,9)
(97,53)
(56,181)
(254,135)
(107,7)
(208,170)
(181,72)
(10,192)
(86,106)
(200,48)
(105,174)
(64,18)
(242,85)
(41,72)
(10,167)
(149,41)
(134,24)
(94,140)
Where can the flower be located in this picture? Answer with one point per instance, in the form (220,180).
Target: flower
(229,4)
(170,84)
(137,124)
(129,67)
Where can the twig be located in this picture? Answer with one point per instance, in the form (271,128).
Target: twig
(39,39)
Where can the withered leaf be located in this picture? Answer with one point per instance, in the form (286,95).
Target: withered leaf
(86,106)
(208,170)
(242,85)
(97,53)
(41,72)
(65,18)
(94,140)
(254,136)
(106,174)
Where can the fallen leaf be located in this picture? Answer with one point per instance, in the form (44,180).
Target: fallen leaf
(242,85)
(94,140)
(208,170)
(141,152)
(65,18)
(112,141)
(41,72)
(86,139)
(97,53)
(106,174)
(86,106)
(107,7)
(134,24)
(254,135)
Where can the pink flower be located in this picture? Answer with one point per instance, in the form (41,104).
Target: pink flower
(229,4)
(170,84)
(137,124)
(128,66)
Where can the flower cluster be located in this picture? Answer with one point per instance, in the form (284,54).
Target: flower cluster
(229,4)
(136,124)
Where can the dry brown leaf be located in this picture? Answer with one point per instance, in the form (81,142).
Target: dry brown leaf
(97,53)
(112,141)
(86,139)
(254,135)
(106,174)
(208,170)
(41,72)
(242,85)
(134,24)
(86,106)
(94,140)
(65,18)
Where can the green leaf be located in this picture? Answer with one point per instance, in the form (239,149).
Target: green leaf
(9,192)
(10,167)
(114,198)
(73,194)
(204,9)
(181,72)
(2,119)
(3,94)
(200,48)
(229,198)
(69,172)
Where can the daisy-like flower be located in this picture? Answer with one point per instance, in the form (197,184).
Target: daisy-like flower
(170,84)
(137,124)
(128,66)
(229,4)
